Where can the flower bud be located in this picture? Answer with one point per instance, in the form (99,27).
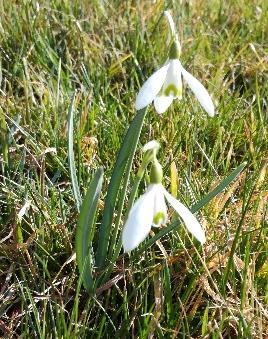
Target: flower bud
(151,145)
(150,150)
(175,50)
(156,174)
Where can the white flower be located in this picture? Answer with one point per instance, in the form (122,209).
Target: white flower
(152,145)
(151,210)
(165,85)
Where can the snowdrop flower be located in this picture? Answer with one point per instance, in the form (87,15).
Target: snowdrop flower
(165,85)
(151,210)
(152,145)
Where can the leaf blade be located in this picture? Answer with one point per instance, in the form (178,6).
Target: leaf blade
(125,154)
(84,229)
(71,161)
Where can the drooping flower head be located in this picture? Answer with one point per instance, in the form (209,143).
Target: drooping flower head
(151,210)
(165,85)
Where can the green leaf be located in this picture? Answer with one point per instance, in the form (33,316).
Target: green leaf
(74,180)
(126,153)
(3,138)
(85,230)
(205,321)
(196,207)
(168,294)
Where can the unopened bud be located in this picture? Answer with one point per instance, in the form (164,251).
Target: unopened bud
(175,50)
(156,174)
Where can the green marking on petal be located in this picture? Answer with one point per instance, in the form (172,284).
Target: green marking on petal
(173,90)
(159,218)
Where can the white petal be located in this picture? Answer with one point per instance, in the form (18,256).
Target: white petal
(151,145)
(162,103)
(160,207)
(189,219)
(151,88)
(173,79)
(139,221)
(200,92)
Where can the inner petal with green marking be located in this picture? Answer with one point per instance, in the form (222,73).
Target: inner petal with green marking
(159,218)
(171,89)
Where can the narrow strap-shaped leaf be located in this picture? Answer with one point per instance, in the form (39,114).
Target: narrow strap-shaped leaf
(74,180)
(126,153)
(84,229)
(196,207)
(120,204)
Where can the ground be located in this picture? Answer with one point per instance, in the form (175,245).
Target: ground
(91,57)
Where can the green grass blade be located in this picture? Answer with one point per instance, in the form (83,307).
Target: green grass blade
(84,229)
(3,137)
(205,321)
(74,180)
(230,261)
(195,208)
(126,153)
(223,184)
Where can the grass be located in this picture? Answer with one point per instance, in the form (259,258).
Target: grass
(104,51)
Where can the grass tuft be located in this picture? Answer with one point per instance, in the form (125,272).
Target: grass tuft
(103,51)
